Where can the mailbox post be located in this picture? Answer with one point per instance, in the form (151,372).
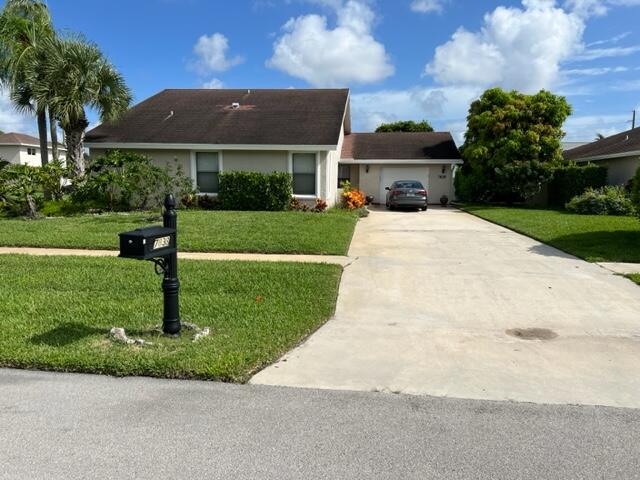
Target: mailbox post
(159,245)
(170,282)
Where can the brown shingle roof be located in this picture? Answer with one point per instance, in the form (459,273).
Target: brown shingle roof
(400,146)
(264,117)
(620,143)
(14,138)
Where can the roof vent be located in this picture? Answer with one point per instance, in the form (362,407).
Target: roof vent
(235,105)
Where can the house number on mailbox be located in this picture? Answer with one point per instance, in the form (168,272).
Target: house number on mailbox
(161,242)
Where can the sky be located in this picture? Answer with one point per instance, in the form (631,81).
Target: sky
(402,59)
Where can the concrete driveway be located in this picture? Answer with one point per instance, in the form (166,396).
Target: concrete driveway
(432,305)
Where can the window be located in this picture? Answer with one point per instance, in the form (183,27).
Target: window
(304,173)
(344,174)
(207,169)
(31,151)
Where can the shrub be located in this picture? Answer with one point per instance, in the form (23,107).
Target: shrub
(572,180)
(298,206)
(208,202)
(130,181)
(602,201)
(635,191)
(352,198)
(19,189)
(255,191)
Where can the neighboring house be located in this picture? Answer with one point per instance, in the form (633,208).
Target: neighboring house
(24,149)
(305,132)
(619,153)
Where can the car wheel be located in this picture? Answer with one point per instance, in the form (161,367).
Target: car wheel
(392,208)
(424,209)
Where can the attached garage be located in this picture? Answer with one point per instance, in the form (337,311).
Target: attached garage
(373,161)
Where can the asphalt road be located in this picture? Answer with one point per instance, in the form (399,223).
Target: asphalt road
(69,426)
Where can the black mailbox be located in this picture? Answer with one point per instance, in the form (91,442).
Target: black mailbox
(148,243)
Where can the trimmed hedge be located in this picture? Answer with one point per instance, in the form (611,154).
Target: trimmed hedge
(572,180)
(255,191)
(608,200)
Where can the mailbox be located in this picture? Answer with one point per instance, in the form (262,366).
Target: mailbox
(148,243)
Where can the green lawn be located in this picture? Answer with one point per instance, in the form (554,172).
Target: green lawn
(56,313)
(635,277)
(596,238)
(206,231)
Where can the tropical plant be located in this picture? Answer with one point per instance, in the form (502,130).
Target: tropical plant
(25,29)
(77,75)
(19,186)
(510,138)
(405,126)
(609,200)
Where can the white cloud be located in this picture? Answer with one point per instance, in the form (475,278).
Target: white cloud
(440,106)
(592,72)
(596,53)
(11,120)
(329,57)
(627,86)
(427,6)
(614,39)
(588,8)
(213,83)
(585,127)
(211,52)
(520,48)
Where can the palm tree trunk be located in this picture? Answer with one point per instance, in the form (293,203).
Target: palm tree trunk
(74,136)
(53,128)
(42,133)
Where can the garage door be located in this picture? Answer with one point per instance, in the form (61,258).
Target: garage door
(388,175)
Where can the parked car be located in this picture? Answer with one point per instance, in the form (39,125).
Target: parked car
(407,194)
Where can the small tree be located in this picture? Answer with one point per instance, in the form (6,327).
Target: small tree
(405,126)
(19,185)
(510,141)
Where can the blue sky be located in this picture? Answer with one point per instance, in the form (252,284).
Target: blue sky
(401,58)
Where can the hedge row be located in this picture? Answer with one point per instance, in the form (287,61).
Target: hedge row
(255,191)
(572,180)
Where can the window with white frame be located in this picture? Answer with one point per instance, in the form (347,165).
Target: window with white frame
(31,151)
(207,169)
(304,173)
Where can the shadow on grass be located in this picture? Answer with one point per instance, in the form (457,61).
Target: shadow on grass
(600,246)
(66,334)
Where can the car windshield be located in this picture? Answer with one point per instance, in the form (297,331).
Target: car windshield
(408,184)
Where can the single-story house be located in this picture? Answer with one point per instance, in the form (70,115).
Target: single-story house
(620,153)
(305,132)
(22,149)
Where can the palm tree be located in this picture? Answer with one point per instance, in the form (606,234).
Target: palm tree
(25,26)
(599,136)
(77,75)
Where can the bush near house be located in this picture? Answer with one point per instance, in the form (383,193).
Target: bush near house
(635,191)
(352,198)
(608,200)
(255,191)
(571,180)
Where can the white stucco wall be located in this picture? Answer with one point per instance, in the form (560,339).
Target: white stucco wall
(19,154)
(621,170)
(255,161)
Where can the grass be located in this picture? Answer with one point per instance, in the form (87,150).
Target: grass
(56,313)
(205,231)
(596,238)
(634,277)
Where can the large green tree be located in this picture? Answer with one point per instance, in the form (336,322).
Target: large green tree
(76,76)
(25,28)
(511,140)
(405,126)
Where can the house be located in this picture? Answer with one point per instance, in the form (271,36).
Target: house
(619,153)
(305,132)
(24,149)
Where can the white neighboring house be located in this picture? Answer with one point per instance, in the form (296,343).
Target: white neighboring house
(22,149)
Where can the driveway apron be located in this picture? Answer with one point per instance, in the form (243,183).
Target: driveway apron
(443,303)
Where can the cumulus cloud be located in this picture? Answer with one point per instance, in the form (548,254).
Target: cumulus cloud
(444,105)
(11,120)
(427,6)
(519,48)
(327,57)
(213,83)
(211,52)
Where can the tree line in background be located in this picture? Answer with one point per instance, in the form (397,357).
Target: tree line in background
(56,77)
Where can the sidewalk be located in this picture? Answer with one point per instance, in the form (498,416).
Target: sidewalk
(250,257)
(621,268)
